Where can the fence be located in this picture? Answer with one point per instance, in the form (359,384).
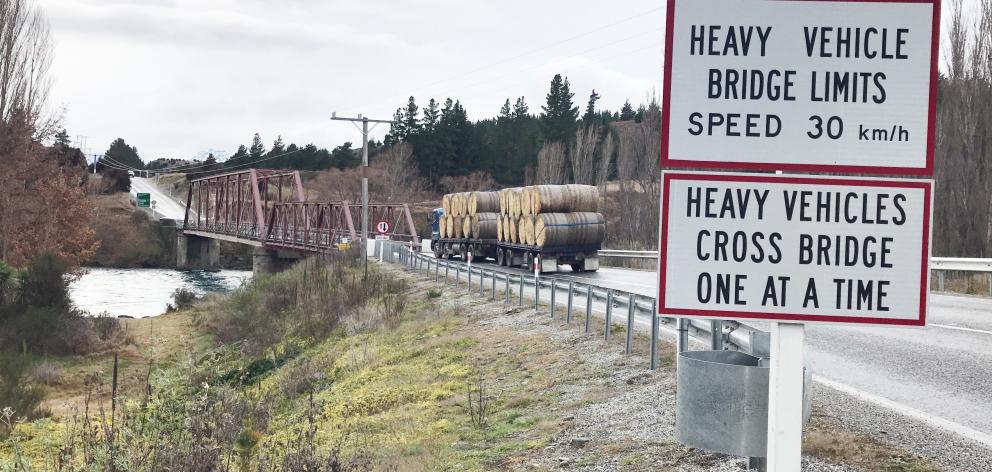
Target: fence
(586,298)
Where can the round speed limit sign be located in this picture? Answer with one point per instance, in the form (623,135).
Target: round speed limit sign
(382,227)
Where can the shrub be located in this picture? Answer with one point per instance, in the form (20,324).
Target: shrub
(17,392)
(46,373)
(182,299)
(44,284)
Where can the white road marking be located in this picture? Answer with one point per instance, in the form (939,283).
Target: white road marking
(980,437)
(969,330)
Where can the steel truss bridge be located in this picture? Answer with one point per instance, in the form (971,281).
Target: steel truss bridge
(269,209)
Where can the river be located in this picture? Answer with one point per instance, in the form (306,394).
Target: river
(145,292)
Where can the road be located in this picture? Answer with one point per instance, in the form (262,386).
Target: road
(164,205)
(938,374)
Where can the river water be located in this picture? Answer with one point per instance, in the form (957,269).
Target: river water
(145,292)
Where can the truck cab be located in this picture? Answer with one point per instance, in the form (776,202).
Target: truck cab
(434,218)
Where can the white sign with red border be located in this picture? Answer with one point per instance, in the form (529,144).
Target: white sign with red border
(382,227)
(826,86)
(795,248)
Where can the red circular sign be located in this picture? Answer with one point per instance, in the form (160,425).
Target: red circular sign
(382,227)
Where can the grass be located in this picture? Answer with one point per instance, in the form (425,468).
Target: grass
(864,452)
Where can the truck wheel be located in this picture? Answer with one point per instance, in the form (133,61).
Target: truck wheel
(437,249)
(578,266)
(500,259)
(447,252)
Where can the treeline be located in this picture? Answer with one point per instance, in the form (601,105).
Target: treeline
(511,147)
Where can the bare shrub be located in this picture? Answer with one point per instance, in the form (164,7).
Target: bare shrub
(551,162)
(584,153)
(46,373)
(475,182)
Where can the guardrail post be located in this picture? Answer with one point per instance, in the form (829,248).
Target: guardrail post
(940,281)
(631,307)
(609,313)
(683,330)
(469,276)
(990,284)
(716,335)
(521,291)
(654,334)
(554,285)
(537,293)
(494,285)
(437,271)
(447,268)
(482,282)
(568,314)
(506,290)
(588,307)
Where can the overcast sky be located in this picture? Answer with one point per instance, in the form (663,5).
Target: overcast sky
(177,77)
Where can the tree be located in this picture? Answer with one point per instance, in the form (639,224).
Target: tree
(257,149)
(431,116)
(506,112)
(120,154)
(411,124)
(520,108)
(278,147)
(559,115)
(627,112)
(591,108)
(62,139)
(344,156)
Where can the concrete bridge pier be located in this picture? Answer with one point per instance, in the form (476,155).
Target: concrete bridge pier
(268,261)
(197,253)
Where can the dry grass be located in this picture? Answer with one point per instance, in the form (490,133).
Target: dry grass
(826,442)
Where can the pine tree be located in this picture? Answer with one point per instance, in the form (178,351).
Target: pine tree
(590,115)
(62,139)
(397,129)
(257,149)
(520,108)
(431,115)
(411,123)
(559,114)
(278,147)
(505,113)
(627,112)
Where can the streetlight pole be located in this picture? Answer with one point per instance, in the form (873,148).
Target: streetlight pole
(365,175)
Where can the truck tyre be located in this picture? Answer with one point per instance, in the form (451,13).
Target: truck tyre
(578,266)
(436,248)
(447,252)
(500,258)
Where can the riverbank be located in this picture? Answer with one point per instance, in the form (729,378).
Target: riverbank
(390,387)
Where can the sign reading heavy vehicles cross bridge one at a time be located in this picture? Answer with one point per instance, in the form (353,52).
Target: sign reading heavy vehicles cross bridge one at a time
(839,86)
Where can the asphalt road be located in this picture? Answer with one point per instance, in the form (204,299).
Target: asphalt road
(939,374)
(164,205)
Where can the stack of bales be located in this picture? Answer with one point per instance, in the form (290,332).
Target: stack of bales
(550,215)
(470,215)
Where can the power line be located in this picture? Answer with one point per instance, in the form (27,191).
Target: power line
(527,53)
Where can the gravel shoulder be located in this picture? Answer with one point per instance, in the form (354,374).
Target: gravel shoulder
(598,409)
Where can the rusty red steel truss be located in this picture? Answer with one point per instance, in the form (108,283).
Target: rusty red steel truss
(270,207)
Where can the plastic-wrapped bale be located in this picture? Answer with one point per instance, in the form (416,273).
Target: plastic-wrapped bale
(483,202)
(569,229)
(466,226)
(572,198)
(525,228)
(485,225)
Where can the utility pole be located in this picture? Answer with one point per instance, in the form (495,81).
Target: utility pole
(365,176)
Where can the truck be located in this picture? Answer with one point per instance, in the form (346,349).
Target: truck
(507,254)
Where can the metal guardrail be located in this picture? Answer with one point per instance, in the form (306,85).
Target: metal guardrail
(578,296)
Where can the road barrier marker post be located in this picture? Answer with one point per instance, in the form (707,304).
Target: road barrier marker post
(537,283)
(654,334)
(568,314)
(631,306)
(482,282)
(588,307)
(609,313)
(447,266)
(437,270)
(553,287)
(494,285)
(506,289)
(683,333)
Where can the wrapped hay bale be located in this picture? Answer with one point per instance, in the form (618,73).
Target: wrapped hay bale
(572,198)
(483,202)
(466,226)
(446,203)
(485,225)
(442,227)
(526,208)
(454,226)
(499,227)
(569,229)
(514,235)
(515,197)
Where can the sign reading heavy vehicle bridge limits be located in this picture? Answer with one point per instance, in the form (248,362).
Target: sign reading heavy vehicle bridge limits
(795,248)
(846,85)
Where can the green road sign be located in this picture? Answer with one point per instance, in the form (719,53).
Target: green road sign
(144,200)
